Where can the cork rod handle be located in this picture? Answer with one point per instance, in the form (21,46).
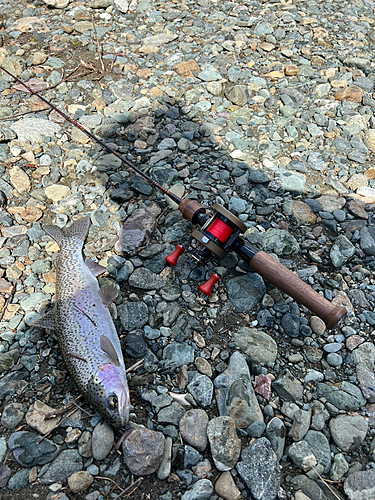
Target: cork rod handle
(288,282)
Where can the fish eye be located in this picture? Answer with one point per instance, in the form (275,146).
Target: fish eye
(113,401)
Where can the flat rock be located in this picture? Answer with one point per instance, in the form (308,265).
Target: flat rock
(29,452)
(136,232)
(102,440)
(35,129)
(193,428)
(288,387)
(65,464)
(145,279)
(35,417)
(201,490)
(345,396)
(244,292)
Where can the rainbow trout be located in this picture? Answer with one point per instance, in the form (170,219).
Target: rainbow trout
(87,336)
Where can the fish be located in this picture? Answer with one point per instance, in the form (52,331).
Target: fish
(84,327)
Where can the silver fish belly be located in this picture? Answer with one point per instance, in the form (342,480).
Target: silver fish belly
(84,327)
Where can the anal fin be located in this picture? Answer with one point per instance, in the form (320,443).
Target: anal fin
(46,321)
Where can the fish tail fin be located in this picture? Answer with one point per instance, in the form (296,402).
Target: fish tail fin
(78,229)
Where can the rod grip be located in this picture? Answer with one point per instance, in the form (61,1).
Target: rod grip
(206,288)
(288,282)
(173,257)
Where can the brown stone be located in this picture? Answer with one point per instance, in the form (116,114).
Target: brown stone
(144,73)
(186,68)
(356,209)
(300,211)
(353,94)
(5,286)
(354,341)
(291,70)
(193,428)
(80,481)
(35,417)
(267,47)
(143,451)
(19,180)
(99,104)
(31,214)
(370,173)
(317,61)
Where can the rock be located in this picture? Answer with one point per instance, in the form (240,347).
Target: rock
(244,292)
(201,490)
(308,487)
(262,386)
(260,470)
(29,452)
(302,455)
(224,443)
(370,139)
(165,464)
(146,280)
(133,315)
(339,467)
(143,451)
(102,440)
(364,361)
(345,396)
(178,354)
(136,232)
(319,445)
(279,242)
(80,481)
(201,388)
(341,251)
(12,416)
(5,474)
(237,95)
(122,5)
(65,464)
(226,488)
(235,395)
(19,480)
(35,129)
(57,4)
(259,346)
(19,180)
(348,432)
(360,485)
(35,417)
(57,192)
(193,428)
(275,433)
(301,424)
(288,387)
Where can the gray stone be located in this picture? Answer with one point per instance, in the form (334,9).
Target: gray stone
(292,181)
(364,360)
(319,445)
(360,485)
(201,490)
(288,387)
(280,242)
(308,487)
(275,434)
(102,440)
(260,470)
(29,452)
(256,344)
(35,129)
(201,388)
(346,396)
(301,424)
(65,464)
(367,240)
(19,480)
(235,395)
(244,292)
(178,354)
(133,315)
(171,414)
(224,443)
(341,251)
(339,467)
(146,280)
(348,432)
(302,455)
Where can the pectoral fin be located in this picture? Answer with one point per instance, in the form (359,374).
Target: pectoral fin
(108,294)
(95,268)
(46,321)
(108,348)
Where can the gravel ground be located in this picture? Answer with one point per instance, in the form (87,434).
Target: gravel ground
(267,108)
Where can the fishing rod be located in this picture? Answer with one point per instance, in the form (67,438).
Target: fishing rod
(219,233)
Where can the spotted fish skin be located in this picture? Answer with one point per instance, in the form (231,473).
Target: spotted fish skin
(87,336)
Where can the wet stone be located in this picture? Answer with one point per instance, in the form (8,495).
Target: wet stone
(67,463)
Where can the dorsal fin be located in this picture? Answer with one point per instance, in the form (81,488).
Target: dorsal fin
(46,321)
(108,348)
(108,294)
(95,268)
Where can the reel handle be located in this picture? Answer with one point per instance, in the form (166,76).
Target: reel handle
(206,288)
(173,257)
(288,282)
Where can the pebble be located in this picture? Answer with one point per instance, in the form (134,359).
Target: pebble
(143,451)
(102,440)
(360,485)
(224,443)
(226,488)
(80,481)
(256,344)
(193,428)
(348,432)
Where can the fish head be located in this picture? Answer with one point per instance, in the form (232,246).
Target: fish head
(108,393)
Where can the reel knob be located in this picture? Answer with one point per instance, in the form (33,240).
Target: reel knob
(206,288)
(173,257)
